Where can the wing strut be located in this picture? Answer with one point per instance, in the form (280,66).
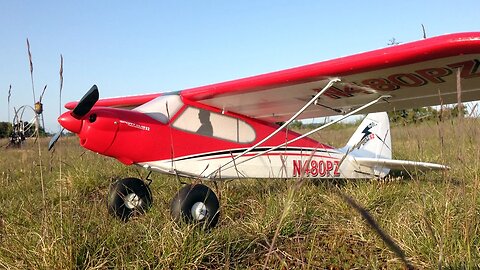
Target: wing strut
(383,97)
(329,84)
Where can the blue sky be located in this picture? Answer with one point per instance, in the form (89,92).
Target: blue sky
(135,47)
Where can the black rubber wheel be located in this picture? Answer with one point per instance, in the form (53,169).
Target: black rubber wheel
(196,204)
(128,197)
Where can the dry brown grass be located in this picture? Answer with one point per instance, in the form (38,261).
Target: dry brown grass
(432,217)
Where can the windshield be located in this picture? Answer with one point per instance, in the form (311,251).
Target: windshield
(162,108)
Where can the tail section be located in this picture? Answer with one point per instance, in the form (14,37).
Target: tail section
(372,138)
(370,141)
(369,151)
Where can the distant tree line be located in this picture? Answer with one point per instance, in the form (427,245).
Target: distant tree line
(6,130)
(410,116)
(299,124)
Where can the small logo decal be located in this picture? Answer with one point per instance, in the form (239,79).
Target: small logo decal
(367,134)
(134,125)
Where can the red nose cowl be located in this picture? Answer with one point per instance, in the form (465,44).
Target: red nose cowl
(70,123)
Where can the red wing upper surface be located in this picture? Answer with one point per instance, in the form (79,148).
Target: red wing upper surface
(416,74)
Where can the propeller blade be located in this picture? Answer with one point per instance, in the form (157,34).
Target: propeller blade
(54,139)
(86,103)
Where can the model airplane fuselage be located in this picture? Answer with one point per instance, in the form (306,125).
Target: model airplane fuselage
(178,145)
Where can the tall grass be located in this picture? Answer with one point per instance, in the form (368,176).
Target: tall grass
(433,217)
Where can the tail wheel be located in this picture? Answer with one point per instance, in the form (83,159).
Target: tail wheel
(128,197)
(196,204)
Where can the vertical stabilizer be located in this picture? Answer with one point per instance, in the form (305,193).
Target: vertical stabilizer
(369,151)
(372,138)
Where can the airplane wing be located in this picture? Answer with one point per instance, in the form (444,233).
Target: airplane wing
(415,74)
(129,102)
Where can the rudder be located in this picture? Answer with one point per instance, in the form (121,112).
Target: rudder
(372,137)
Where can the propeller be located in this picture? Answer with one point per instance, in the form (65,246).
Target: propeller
(86,103)
(54,139)
(83,107)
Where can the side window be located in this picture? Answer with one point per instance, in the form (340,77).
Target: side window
(211,124)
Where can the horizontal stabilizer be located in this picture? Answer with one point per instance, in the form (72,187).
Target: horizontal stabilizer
(399,164)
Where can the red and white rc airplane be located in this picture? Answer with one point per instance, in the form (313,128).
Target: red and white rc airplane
(227,130)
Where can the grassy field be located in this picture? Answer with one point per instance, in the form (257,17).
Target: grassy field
(274,224)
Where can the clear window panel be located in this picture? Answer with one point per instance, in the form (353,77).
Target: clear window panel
(216,125)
